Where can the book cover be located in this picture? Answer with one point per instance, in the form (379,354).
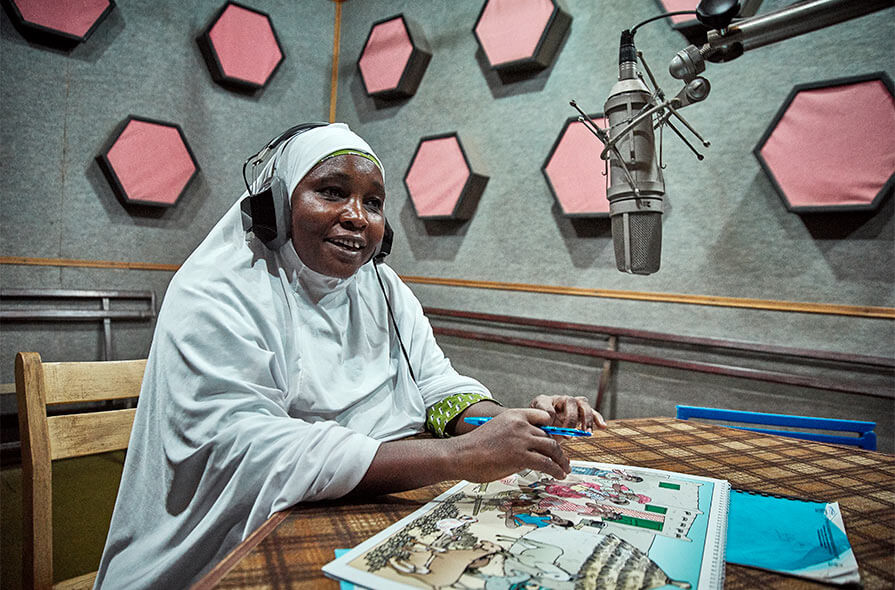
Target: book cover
(604,526)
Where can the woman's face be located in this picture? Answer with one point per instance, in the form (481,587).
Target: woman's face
(337,215)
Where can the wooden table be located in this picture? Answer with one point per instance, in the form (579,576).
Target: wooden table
(290,548)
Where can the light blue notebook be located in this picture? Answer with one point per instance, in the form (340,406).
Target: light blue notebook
(789,535)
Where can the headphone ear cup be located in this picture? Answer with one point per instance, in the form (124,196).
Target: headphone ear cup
(282,213)
(385,246)
(268,215)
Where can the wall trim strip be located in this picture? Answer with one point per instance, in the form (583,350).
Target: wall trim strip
(709,300)
(865,311)
(70,262)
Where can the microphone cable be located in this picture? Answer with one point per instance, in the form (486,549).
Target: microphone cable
(667,15)
(661,16)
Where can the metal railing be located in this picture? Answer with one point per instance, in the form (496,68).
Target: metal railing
(482,327)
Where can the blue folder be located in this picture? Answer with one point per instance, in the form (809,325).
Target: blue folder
(789,535)
(343,585)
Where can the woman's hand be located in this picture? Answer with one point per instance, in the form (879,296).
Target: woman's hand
(569,412)
(508,443)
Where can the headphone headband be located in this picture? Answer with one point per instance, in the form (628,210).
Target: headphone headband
(258,157)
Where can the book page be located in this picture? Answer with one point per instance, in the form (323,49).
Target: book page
(604,526)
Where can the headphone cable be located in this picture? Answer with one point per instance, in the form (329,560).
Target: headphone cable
(391,314)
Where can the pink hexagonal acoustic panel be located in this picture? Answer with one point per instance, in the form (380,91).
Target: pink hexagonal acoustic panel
(575,172)
(831,145)
(59,22)
(241,48)
(440,180)
(148,162)
(394,58)
(521,35)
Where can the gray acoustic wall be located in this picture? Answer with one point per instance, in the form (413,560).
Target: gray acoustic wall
(59,109)
(726,232)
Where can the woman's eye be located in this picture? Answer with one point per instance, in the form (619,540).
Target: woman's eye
(332,192)
(374,204)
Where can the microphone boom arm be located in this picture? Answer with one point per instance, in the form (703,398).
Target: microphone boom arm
(758,31)
(794,20)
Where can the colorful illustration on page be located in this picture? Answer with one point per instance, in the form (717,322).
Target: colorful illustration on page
(598,528)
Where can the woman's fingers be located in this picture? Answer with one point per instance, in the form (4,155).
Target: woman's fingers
(568,411)
(585,413)
(545,403)
(588,417)
(555,462)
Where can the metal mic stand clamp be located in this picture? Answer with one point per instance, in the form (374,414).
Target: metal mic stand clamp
(696,89)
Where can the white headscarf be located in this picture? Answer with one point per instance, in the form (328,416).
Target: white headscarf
(299,154)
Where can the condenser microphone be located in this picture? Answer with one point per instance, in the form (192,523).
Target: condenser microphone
(636,186)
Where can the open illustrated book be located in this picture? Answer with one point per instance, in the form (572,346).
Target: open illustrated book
(604,526)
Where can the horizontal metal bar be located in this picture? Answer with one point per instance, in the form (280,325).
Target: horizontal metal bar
(75,294)
(794,20)
(75,314)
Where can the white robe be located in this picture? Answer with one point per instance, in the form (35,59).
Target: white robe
(267,385)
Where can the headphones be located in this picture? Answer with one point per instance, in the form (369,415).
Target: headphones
(266,212)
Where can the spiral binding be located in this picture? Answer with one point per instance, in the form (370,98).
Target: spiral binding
(719,549)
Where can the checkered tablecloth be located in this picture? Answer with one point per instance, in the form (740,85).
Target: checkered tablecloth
(289,550)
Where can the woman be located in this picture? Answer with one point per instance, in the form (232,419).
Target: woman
(277,376)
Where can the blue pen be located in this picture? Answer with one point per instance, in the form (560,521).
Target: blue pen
(557,430)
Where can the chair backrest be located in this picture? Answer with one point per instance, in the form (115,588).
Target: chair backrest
(863,435)
(47,438)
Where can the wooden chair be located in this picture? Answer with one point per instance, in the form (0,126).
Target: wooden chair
(863,434)
(48,438)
